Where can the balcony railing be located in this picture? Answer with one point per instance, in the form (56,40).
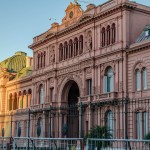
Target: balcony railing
(98,97)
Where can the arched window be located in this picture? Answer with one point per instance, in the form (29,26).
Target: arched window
(61,52)
(109,81)
(38,61)
(113,33)
(20,103)
(15,102)
(29,97)
(110,122)
(103,37)
(39,127)
(108,35)
(144,78)
(44,58)
(41,94)
(41,60)
(66,50)
(76,46)
(138,80)
(81,43)
(10,102)
(70,49)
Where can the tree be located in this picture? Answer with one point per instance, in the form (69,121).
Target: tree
(99,132)
(147,137)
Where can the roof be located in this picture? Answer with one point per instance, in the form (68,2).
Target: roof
(142,36)
(16,65)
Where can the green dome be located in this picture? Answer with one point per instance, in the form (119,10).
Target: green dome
(15,63)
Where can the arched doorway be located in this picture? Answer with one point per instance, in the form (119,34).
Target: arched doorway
(73,114)
(70,96)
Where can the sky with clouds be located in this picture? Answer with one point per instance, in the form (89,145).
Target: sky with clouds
(21,20)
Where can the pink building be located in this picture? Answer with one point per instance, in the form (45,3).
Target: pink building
(97,59)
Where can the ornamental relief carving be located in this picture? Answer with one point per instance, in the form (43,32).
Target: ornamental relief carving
(104,67)
(51,80)
(88,70)
(67,70)
(76,76)
(87,63)
(52,55)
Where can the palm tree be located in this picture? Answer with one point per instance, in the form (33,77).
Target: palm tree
(99,132)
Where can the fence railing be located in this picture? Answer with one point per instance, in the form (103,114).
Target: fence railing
(4,143)
(24,143)
(117,144)
(48,143)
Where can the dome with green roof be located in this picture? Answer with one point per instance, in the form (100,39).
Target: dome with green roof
(16,64)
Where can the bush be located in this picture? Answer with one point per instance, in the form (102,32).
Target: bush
(99,132)
(147,137)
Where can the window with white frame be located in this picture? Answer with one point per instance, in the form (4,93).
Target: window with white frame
(141,124)
(89,85)
(141,79)
(41,94)
(138,80)
(110,122)
(144,78)
(109,81)
(18,129)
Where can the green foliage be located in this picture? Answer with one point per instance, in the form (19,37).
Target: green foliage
(147,137)
(99,132)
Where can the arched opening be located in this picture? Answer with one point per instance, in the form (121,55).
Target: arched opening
(70,96)
(61,52)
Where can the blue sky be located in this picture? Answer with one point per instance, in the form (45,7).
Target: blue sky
(21,20)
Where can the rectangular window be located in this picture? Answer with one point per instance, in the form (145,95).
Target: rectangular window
(89,90)
(51,94)
(145,123)
(141,124)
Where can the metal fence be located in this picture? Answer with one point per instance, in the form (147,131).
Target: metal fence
(47,144)
(117,144)
(4,143)
(105,119)
(74,144)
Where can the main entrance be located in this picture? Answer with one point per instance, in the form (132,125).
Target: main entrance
(71,94)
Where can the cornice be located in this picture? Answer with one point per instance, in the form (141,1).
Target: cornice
(138,48)
(18,81)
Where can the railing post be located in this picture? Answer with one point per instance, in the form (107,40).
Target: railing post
(80,120)
(50,128)
(28,129)
(80,127)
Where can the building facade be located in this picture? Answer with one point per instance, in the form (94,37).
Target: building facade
(92,69)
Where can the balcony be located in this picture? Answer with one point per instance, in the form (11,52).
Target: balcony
(99,97)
